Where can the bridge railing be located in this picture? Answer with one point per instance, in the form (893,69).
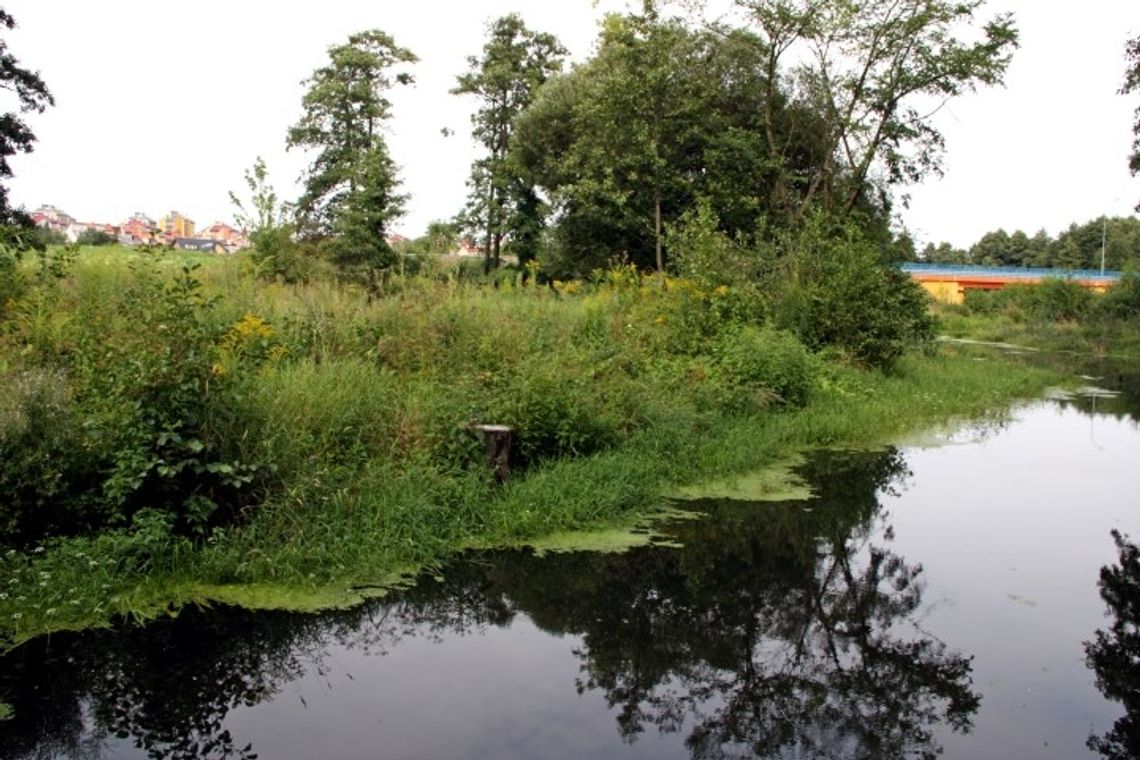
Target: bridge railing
(1028,273)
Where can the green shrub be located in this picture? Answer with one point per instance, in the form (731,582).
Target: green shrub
(44,459)
(1122,301)
(755,366)
(134,408)
(12,282)
(1057,300)
(833,291)
(555,413)
(1009,300)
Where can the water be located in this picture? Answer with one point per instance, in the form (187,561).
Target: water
(928,599)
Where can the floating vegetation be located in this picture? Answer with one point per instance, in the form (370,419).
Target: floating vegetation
(774,482)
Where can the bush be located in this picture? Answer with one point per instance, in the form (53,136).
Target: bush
(1057,300)
(95,237)
(44,459)
(757,366)
(1122,301)
(136,408)
(12,282)
(833,291)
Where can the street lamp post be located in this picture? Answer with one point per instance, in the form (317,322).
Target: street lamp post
(1103,242)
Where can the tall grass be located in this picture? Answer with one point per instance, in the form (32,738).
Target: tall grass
(336,430)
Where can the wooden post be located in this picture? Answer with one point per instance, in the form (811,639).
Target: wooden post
(498,439)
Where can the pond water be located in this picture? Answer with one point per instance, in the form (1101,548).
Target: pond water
(927,599)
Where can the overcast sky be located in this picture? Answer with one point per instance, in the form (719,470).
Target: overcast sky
(162,105)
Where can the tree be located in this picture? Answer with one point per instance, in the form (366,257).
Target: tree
(992,249)
(874,70)
(17,233)
(15,135)
(264,211)
(360,247)
(344,110)
(1132,85)
(516,62)
(660,118)
(267,222)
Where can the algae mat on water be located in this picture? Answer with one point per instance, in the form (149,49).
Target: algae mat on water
(774,482)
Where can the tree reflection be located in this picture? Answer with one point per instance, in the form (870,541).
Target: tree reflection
(777,630)
(1114,655)
(169,687)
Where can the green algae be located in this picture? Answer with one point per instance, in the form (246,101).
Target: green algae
(292,598)
(615,539)
(774,482)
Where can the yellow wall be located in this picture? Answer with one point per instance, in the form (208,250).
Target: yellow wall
(946,292)
(177,225)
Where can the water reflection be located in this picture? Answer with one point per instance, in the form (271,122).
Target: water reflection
(778,630)
(1114,655)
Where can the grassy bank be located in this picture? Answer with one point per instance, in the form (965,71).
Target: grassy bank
(177,437)
(1055,316)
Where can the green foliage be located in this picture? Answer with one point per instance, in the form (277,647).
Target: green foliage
(109,419)
(359,247)
(276,253)
(42,457)
(1131,86)
(1079,246)
(868,69)
(15,136)
(12,282)
(1057,300)
(345,107)
(1122,301)
(1052,300)
(755,367)
(833,291)
(516,61)
(706,255)
(95,238)
(689,104)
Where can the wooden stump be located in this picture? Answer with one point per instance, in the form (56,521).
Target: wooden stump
(498,439)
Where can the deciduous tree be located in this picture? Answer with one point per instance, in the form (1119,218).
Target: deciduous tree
(875,71)
(32,95)
(662,116)
(1132,85)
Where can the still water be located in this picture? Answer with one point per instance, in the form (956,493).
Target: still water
(935,598)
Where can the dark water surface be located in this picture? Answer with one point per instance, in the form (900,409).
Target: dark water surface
(927,599)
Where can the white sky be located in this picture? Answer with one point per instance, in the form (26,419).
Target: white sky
(163,105)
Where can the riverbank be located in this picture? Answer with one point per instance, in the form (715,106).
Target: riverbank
(334,553)
(306,447)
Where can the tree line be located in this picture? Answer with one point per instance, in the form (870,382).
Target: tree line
(793,109)
(1080,246)
(799,109)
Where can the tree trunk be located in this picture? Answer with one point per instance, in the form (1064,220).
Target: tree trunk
(657,236)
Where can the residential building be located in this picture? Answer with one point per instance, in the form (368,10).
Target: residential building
(202,245)
(174,225)
(52,218)
(231,238)
(137,230)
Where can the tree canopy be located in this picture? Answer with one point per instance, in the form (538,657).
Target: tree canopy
(516,61)
(1132,86)
(873,71)
(15,135)
(350,187)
